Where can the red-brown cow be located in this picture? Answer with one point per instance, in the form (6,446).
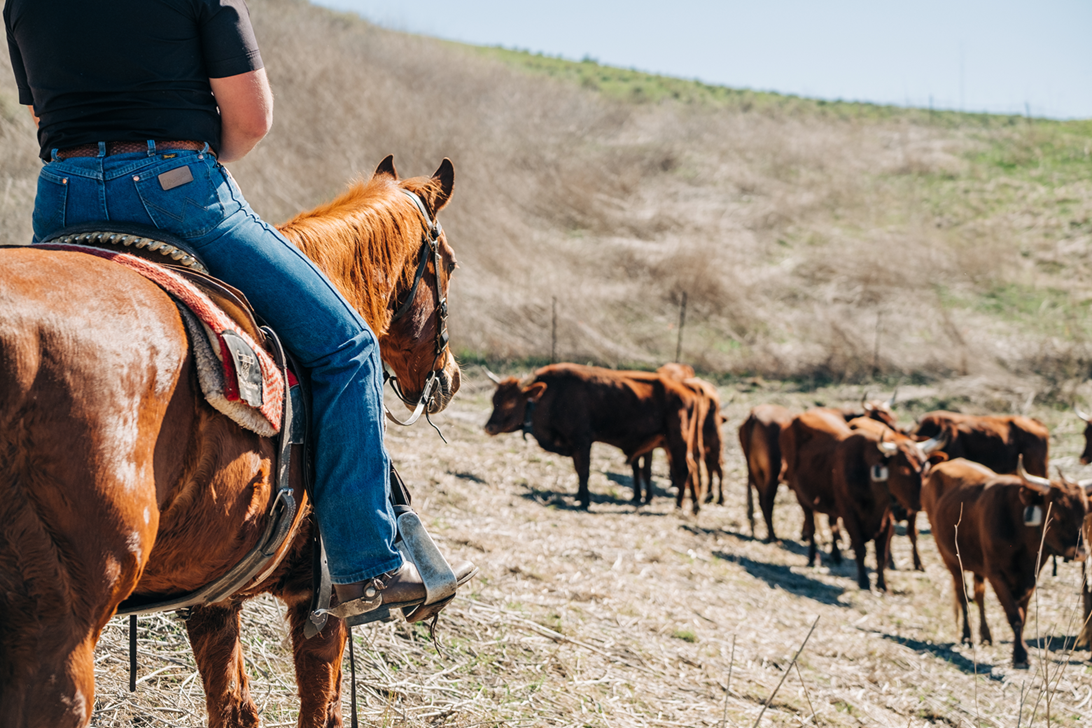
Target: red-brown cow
(876,468)
(567,407)
(907,503)
(992,525)
(759,438)
(808,446)
(996,441)
(712,445)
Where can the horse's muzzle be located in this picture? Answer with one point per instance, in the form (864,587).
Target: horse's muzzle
(448,380)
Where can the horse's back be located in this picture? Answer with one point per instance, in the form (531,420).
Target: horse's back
(90,355)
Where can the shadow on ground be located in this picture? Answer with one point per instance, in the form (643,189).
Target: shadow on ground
(946,652)
(567,500)
(783,577)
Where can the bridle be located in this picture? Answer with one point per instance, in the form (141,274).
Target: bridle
(430,243)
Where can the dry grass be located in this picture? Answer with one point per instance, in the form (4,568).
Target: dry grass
(627,617)
(824,242)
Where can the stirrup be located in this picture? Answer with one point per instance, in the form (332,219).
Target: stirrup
(417,546)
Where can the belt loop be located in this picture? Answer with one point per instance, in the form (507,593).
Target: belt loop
(102,149)
(53,155)
(151,147)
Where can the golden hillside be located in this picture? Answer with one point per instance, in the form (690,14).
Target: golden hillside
(814,240)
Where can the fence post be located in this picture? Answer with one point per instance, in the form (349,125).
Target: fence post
(682,324)
(553,335)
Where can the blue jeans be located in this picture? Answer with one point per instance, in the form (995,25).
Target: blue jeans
(317,325)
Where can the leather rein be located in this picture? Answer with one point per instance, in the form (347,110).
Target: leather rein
(430,250)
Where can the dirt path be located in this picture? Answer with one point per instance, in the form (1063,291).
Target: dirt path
(628,617)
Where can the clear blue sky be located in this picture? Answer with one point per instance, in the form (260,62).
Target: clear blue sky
(975,55)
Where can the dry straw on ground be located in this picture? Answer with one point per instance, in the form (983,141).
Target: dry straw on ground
(627,617)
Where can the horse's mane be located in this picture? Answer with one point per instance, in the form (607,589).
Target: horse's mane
(362,240)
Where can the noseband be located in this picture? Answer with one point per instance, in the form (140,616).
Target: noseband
(430,242)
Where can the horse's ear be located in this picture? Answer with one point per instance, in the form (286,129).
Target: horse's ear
(387,167)
(445,175)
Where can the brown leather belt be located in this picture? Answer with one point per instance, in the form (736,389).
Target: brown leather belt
(92,149)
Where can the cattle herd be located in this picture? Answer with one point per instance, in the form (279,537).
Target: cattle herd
(981,480)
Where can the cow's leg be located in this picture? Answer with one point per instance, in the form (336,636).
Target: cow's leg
(714,469)
(582,463)
(912,532)
(959,594)
(646,473)
(859,544)
(1084,635)
(980,599)
(318,667)
(683,467)
(751,487)
(636,463)
(883,546)
(835,537)
(214,636)
(808,535)
(766,498)
(890,551)
(1016,612)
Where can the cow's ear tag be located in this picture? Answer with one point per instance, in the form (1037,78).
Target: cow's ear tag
(878,473)
(1033,516)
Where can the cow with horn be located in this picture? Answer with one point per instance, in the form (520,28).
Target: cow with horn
(877,471)
(996,441)
(1002,528)
(567,407)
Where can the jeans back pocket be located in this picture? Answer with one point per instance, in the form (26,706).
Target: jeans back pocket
(189,209)
(50,204)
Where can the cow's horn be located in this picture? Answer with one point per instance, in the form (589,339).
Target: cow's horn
(1080,414)
(864,402)
(935,443)
(495,379)
(891,402)
(1033,481)
(887,448)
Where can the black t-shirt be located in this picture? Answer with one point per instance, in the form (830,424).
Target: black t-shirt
(126,70)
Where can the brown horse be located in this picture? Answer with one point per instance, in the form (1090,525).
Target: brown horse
(118,479)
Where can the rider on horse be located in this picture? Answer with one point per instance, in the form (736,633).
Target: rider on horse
(138,105)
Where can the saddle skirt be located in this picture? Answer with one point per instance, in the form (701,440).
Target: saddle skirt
(238,377)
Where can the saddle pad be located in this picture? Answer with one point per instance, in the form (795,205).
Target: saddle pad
(252,396)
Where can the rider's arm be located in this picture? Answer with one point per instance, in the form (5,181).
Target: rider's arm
(246,112)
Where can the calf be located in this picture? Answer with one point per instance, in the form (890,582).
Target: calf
(567,407)
(808,445)
(996,441)
(992,525)
(875,470)
(759,438)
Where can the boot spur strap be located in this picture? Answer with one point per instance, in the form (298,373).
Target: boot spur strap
(372,599)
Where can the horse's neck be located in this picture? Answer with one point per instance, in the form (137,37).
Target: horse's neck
(366,272)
